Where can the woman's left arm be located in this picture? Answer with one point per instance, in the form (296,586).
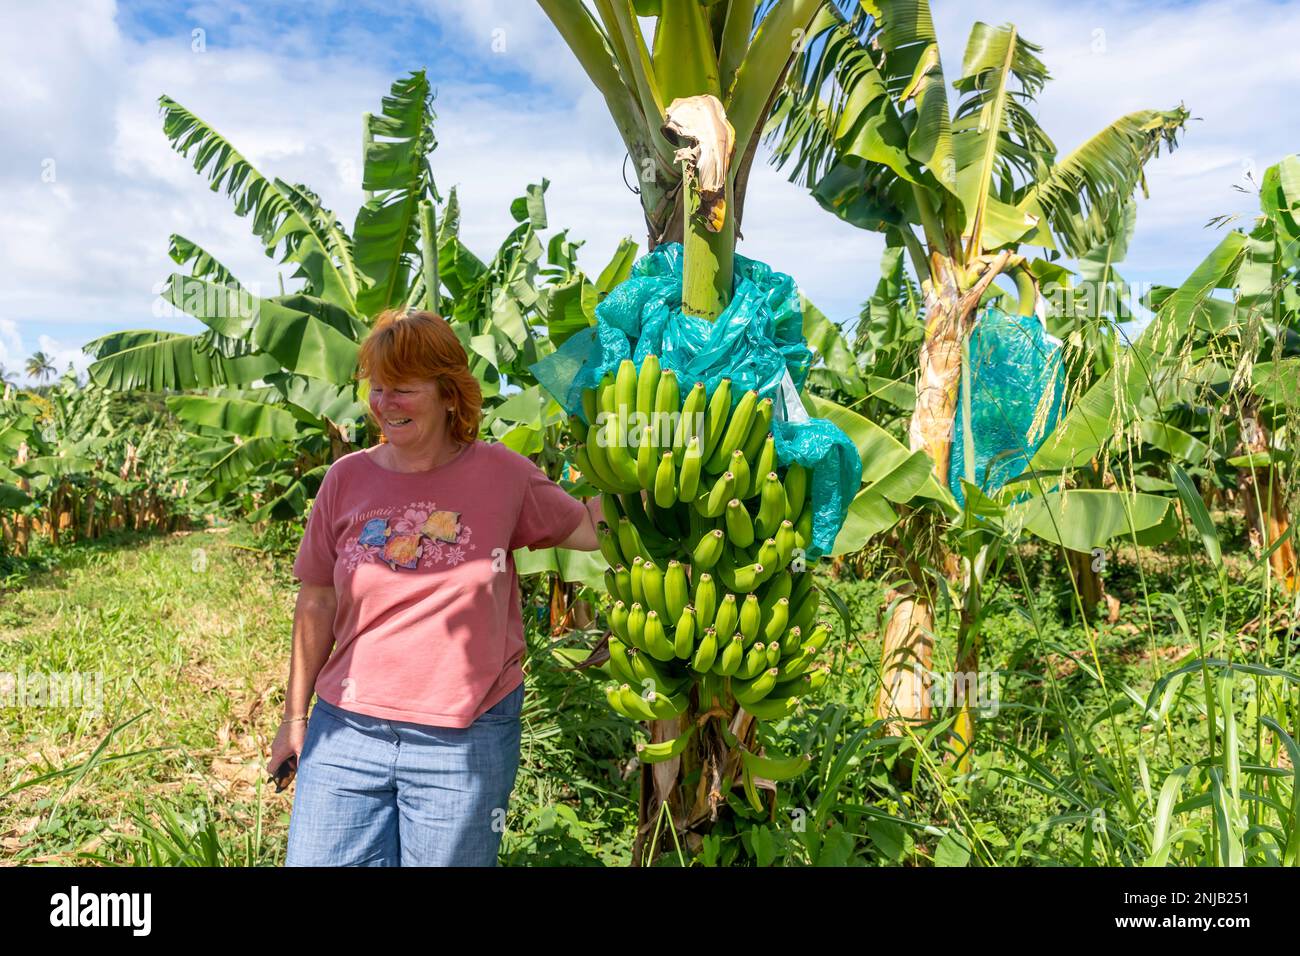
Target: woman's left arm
(583,537)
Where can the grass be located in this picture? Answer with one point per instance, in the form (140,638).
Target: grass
(191,633)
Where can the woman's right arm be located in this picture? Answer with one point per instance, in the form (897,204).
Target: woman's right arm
(313,640)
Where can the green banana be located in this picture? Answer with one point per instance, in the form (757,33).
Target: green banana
(817,639)
(771,708)
(667,707)
(677,592)
(583,461)
(806,612)
(625,388)
(740,528)
(796,486)
(707,651)
(634,703)
(656,639)
(767,459)
(716,419)
(779,587)
(775,768)
(636,579)
(710,548)
(792,642)
(750,618)
(732,656)
(752,691)
(705,598)
(736,432)
(774,624)
(619,665)
(807,683)
(684,634)
(755,662)
(665,482)
(609,545)
(606,478)
(715,502)
(636,626)
(629,541)
(609,510)
(615,700)
(667,404)
(803,528)
(618,620)
(728,616)
(739,467)
(662,676)
(647,382)
(743,579)
(768,555)
(786,542)
(688,480)
(801,584)
(617,452)
(623,584)
(589,405)
(800,661)
(605,394)
(774,654)
(665,749)
(771,506)
(759,430)
(690,422)
(646,459)
(652,583)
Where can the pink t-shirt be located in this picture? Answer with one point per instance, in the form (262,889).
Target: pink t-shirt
(428,626)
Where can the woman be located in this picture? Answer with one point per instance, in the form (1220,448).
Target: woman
(408,624)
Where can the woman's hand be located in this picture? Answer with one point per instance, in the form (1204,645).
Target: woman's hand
(288,743)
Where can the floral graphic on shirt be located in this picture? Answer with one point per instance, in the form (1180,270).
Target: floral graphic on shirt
(417,535)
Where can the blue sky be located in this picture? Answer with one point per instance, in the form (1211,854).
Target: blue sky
(91,189)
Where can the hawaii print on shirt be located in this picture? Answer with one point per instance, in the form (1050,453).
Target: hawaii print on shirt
(417,535)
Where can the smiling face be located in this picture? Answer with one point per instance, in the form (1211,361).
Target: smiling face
(411,413)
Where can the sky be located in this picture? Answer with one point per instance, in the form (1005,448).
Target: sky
(90,190)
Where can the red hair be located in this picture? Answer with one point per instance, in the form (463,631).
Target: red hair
(408,345)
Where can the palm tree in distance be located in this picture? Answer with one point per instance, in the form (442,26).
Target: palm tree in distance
(40,367)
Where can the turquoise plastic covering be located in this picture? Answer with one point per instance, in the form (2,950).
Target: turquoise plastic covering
(757,342)
(1014,364)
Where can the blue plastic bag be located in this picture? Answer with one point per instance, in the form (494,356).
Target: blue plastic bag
(1017,385)
(757,342)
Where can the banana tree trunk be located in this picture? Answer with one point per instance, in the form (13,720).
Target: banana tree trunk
(909,638)
(1092,587)
(1264,502)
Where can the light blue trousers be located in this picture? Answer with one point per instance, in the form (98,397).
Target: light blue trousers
(375,792)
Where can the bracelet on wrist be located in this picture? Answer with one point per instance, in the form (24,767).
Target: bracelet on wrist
(290,720)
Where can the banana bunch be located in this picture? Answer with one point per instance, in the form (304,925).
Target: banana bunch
(700,531)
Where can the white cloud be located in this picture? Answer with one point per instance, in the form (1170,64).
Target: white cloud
(79,256)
